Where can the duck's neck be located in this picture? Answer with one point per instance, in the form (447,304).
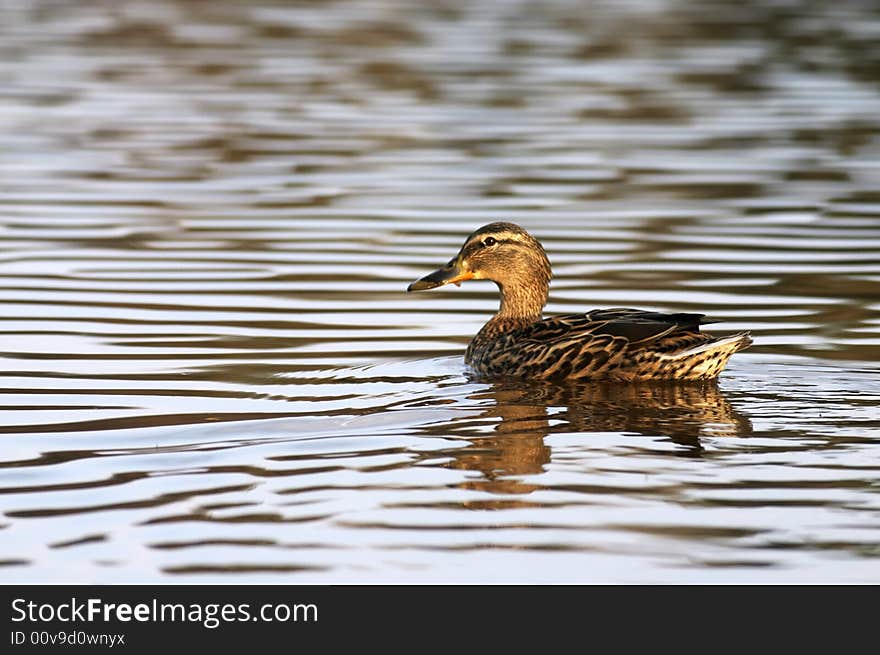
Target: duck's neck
(520,307)
(521,303)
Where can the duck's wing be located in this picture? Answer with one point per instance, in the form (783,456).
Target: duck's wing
(585,345)
(634,325)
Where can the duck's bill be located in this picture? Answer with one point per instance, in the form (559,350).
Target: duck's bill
(449,274)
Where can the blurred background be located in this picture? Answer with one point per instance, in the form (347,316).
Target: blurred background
(210,211)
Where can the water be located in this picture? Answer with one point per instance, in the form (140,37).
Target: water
(211,370)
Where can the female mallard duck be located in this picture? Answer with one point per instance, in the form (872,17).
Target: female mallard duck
(616,344)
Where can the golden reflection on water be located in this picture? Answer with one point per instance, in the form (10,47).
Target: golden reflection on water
(527,412)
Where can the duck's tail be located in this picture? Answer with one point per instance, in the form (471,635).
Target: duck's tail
(730,345)
(706,360)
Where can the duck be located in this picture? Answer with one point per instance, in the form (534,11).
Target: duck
(617,344)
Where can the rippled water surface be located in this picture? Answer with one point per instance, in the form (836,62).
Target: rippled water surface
(210,212)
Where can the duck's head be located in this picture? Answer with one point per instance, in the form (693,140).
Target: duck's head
(506,254)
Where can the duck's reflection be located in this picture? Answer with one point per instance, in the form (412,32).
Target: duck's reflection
(526,412)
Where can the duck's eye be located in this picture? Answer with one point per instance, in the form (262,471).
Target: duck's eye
(489,241)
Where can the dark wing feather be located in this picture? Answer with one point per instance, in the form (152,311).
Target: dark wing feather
(688,322)
(634,325)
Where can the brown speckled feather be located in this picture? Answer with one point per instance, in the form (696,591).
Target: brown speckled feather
(621,344)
